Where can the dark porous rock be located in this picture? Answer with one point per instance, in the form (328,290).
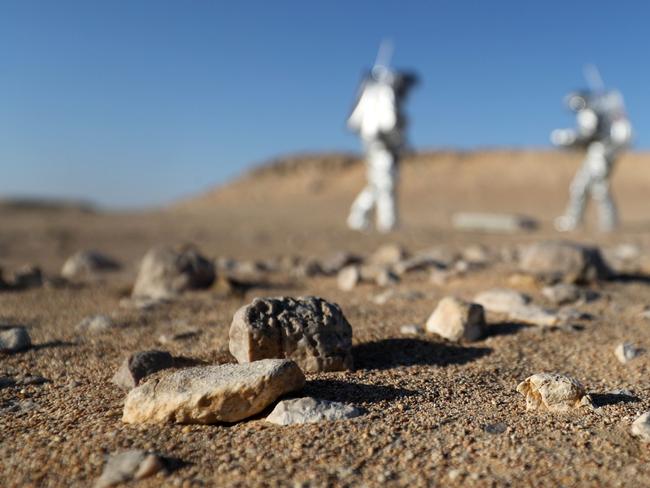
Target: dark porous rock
(166,272)
(140,365)
(28,276)
(309,330)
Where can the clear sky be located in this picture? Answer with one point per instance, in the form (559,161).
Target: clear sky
(134,102)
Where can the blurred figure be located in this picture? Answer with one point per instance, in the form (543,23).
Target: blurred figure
(379,121)
(604,131)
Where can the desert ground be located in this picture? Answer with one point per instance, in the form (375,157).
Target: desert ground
(435,412)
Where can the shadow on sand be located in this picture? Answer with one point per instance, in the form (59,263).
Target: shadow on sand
(505,328)
(388,353)
(350,392)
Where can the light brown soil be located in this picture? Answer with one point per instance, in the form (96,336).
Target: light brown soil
(427,401)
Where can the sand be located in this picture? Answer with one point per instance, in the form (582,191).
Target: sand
(436,413)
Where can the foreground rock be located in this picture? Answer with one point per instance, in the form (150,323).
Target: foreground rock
(85,264)
(641,427)
(309,330)
(565,261)
(455,319)
(553,392)
(166,272)
(14,339)
(211,394)
(135,464)
(139,366)
(492,222)
(310,410)
(626,352)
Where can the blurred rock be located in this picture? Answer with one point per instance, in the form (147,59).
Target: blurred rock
(562,293)
(28,276)
(309,330)
(140,365)
(96,324)
(626,352)
(493,222)
(14,339)
(565,261)
(388,255)
(641,427)
(553,392)
(455,319)
(310,410)
(411,329)
(134,464)
(348,278)
(211,394)
(501,300)
(165,273)
(85,264)
(385,277)
(335,263)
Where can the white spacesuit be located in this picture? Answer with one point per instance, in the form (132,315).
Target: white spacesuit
(378,119)
(604,130)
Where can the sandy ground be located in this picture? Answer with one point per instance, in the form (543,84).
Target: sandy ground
(429,404)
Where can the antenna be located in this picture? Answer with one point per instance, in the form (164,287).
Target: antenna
(594,80)
(384,54)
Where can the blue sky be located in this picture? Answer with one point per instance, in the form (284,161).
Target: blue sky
(136,103)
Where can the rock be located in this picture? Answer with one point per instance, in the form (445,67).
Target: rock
(309,330)
(534,315)
(392,294)
(307,269)
(211,394)
(14,339)
(310,410)
(165,273)
(562,293)
(348,278)
(96,324)
(455,319)
(142,303)
(134,464)
(553,392)
(388,255)
(335,263)
(493,222)
(476,255)
(516,307)
(411,329)
(170,337)
(416,263)
(140,365)
(501,300)
(84,264)
(641,427)
(564,261)
(28,276)
(441,276)
(386,277)
(626,352)
(498,428)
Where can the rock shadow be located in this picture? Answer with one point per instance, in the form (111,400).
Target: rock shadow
(505,328)
(605,399)
(350,392)
(389,353)
(630,278)
(54,344)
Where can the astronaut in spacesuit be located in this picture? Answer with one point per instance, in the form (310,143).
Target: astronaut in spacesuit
(379,121)
(604,131)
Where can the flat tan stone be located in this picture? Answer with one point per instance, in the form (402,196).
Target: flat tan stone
(211,394)
(553,392)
